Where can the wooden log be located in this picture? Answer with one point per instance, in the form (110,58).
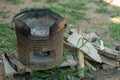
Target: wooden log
(102,45)
(11,73)
(84,46)
(17,65)
(118,49)
(107,52)
(110,62)
(107,67)
(89,37)
(69,46)
(80,54)
(105,60)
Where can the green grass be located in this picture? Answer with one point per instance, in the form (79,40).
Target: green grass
(71,13)
(8,38)
(74,10)
(68,53)
(60,74)
(102,10)
(108,45)
(36,0)
(79,5)
(28,8)
(116,12)
(101,3)
(24,9)
(15,1)
(4,13)
(115,30)
(59,10)
(49,1)
(77,15)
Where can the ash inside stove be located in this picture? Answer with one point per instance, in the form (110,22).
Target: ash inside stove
(40,26)
(41,57)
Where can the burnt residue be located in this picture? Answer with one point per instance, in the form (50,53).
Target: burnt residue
(39,23)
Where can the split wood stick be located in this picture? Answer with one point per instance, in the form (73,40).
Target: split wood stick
(80,54)
(90,65)
(17,65)
(107,52)
(110,62)
(105,60)
(107,67)
(69,46)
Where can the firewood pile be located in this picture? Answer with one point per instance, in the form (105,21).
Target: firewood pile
(89,47)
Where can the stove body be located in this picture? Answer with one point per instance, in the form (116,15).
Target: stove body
(40,38)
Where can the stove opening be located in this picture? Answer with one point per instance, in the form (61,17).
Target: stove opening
(42,56)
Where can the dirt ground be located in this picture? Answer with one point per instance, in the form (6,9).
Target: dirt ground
(107,75)
(98,23)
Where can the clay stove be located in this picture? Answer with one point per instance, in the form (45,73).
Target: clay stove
(40,38)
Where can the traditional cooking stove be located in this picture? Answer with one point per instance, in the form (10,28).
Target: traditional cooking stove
(40,38)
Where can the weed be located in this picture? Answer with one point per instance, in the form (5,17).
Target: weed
(51,1)
(73,12)
(59,10)
(108,45)
(116,12)
(87,1)
(77,15)
(4,13)
(59,74)
(8,38)
(14,1)
(115,30)
(102,10)
(36,0)
(68,53)
(101,3)
(24,9)
(28,8)
(80,5)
